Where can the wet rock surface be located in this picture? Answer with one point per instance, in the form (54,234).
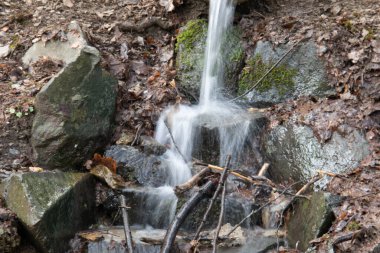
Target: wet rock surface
(302,73)
(311,219)
(295,153)
(52,206)
(75,109)
(240,130)
(147,169)
(191,43)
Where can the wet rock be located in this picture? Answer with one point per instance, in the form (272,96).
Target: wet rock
(310,219)
(295,153)
(75,109)
(242,129)
(191,42)
(151,146)
(302,73)
(133,164)
(52,206)
(236,208)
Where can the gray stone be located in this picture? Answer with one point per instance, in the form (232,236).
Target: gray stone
(191,43)
(240,134)
(52,206)
(147,169)
(310,76)
(294,153)
(310,219)
(151,146)
(75,109)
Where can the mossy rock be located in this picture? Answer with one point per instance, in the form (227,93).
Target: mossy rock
(190,47)
(301,73)
(52,206)
(310,219)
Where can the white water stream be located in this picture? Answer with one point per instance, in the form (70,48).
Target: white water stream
(213,110)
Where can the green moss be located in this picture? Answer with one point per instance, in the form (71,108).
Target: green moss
(353,225)
(193,32)
(280,77)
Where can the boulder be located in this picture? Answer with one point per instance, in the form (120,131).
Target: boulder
(148,169)
(191,43)
(52,206)
(294,153)
(301,73)
(75,109)
(310,219)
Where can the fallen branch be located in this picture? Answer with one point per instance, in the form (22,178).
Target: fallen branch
(221,215)
(181,216)
(192,181)
(251,179)
(348,237)
(127,229)
(145,24)
(311,182)
(263,170)
(222,179)
(267,73)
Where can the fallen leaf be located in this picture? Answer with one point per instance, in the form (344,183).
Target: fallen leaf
(68,3)
(36,169)
(112,180)
(91,236)
(106,161)
(355,56)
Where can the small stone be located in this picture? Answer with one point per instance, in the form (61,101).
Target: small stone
(14,152)
(4,51)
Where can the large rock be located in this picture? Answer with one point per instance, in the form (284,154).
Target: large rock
(147,168)
(302,73)
(310,219)
(75,109)
(52,206)
(191,43)
(295,153)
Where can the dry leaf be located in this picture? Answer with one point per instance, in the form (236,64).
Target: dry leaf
(68,3)
(106,161)
(91,236)
(113,180)
(36,169)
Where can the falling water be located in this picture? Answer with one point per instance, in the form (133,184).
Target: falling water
(213,111)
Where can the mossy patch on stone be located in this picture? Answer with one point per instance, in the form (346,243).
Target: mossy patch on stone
(280,78)
(190,47)
(194,31)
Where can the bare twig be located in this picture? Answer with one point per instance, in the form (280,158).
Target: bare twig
(263,170)
(251,179)
(138,133)
(192,181)
(216,193)
(127,229)
(222,204)
(306,186)
(347,237)
(181,216)
(260,208)
(174,143)
(268,72)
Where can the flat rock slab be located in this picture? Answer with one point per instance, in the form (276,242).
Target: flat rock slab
(296,154)
(52,206)
(75,109)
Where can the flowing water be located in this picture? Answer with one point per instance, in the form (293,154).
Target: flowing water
(213,111)
(184,124)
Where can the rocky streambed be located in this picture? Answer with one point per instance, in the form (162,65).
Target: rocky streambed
(300,122)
